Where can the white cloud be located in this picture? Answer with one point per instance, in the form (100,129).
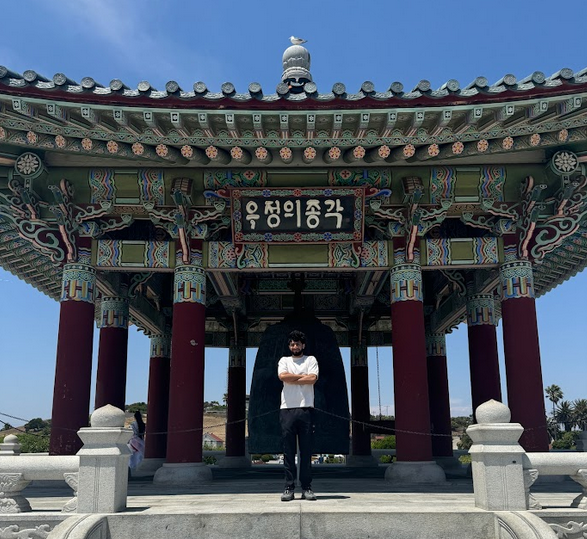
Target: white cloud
(126,32)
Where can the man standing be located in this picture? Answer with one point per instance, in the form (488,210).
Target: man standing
(298,373)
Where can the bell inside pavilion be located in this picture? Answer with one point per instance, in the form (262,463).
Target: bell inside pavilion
(387,216)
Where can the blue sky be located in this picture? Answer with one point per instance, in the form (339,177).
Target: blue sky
(243,42)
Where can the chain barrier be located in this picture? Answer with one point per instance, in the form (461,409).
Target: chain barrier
(226,423)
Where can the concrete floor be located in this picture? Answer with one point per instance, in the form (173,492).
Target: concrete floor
(338,488)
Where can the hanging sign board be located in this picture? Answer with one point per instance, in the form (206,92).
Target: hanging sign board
(297,215)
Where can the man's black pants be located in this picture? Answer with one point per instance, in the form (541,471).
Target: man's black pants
(297,423)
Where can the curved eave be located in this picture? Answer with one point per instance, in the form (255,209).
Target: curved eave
(569,259)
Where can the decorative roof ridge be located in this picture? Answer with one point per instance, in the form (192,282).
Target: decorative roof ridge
(537,84)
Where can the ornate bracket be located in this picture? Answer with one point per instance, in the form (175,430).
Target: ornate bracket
(530,477)
(11,500)
(496,225)
(72,480)
(38,232)
(457,279)
(580,501)
(530,212)
(507,211)
(95,229)
(569,212)
(137,282)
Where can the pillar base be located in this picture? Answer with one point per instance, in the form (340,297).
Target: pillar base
(148,467)
(361,461)
(411,473)
(235,462)
(182,474)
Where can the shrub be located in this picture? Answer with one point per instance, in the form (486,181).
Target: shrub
(385,459)
(567,441)
(266,458)
(385,443)
(465,459)
(210,460)
(465,441)
(30,443)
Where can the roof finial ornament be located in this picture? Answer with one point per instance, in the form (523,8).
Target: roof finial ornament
(297,40)
(296,66)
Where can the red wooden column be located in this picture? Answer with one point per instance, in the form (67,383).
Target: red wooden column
(361,410)
(158,397)
(186,385)
(237,403)
(483,357)
(412,414)
(522,350)
(438,395)
(71,393)
(112,352)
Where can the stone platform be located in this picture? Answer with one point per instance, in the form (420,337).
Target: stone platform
(352,503)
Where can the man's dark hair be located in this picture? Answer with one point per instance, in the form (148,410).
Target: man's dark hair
(296,336)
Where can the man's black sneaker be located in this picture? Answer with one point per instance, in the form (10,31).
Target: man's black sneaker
(288,495)
(308,495)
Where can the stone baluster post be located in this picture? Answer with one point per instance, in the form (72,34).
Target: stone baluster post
(497,459)
(103,463)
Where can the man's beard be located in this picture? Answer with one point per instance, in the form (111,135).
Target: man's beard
(298,354)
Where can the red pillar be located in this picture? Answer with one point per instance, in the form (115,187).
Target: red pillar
(186,386)
(237,399)
(158,397)
(412,414)
(112,352)
(438,395)
(483,357)
(361,410)
(71,393)
(522,352)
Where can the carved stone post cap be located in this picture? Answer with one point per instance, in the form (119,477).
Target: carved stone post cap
(10,446)
(107,416)
(493,411)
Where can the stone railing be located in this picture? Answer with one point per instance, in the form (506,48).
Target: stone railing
(98,474)
(503,472)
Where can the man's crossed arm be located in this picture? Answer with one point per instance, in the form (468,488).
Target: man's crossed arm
(298,379)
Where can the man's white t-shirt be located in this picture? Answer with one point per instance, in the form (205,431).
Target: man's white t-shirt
(297,395)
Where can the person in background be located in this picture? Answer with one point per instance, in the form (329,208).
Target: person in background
(298,373)
(137,442)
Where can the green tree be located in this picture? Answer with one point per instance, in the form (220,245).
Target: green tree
(554,394)
(580,413)
(461,423)
(564,415)
(7,426)
(137,407)
(36,425)
(385,443)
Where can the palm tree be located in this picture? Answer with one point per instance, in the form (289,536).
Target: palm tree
(554,394)
(564,415)
(580,413)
